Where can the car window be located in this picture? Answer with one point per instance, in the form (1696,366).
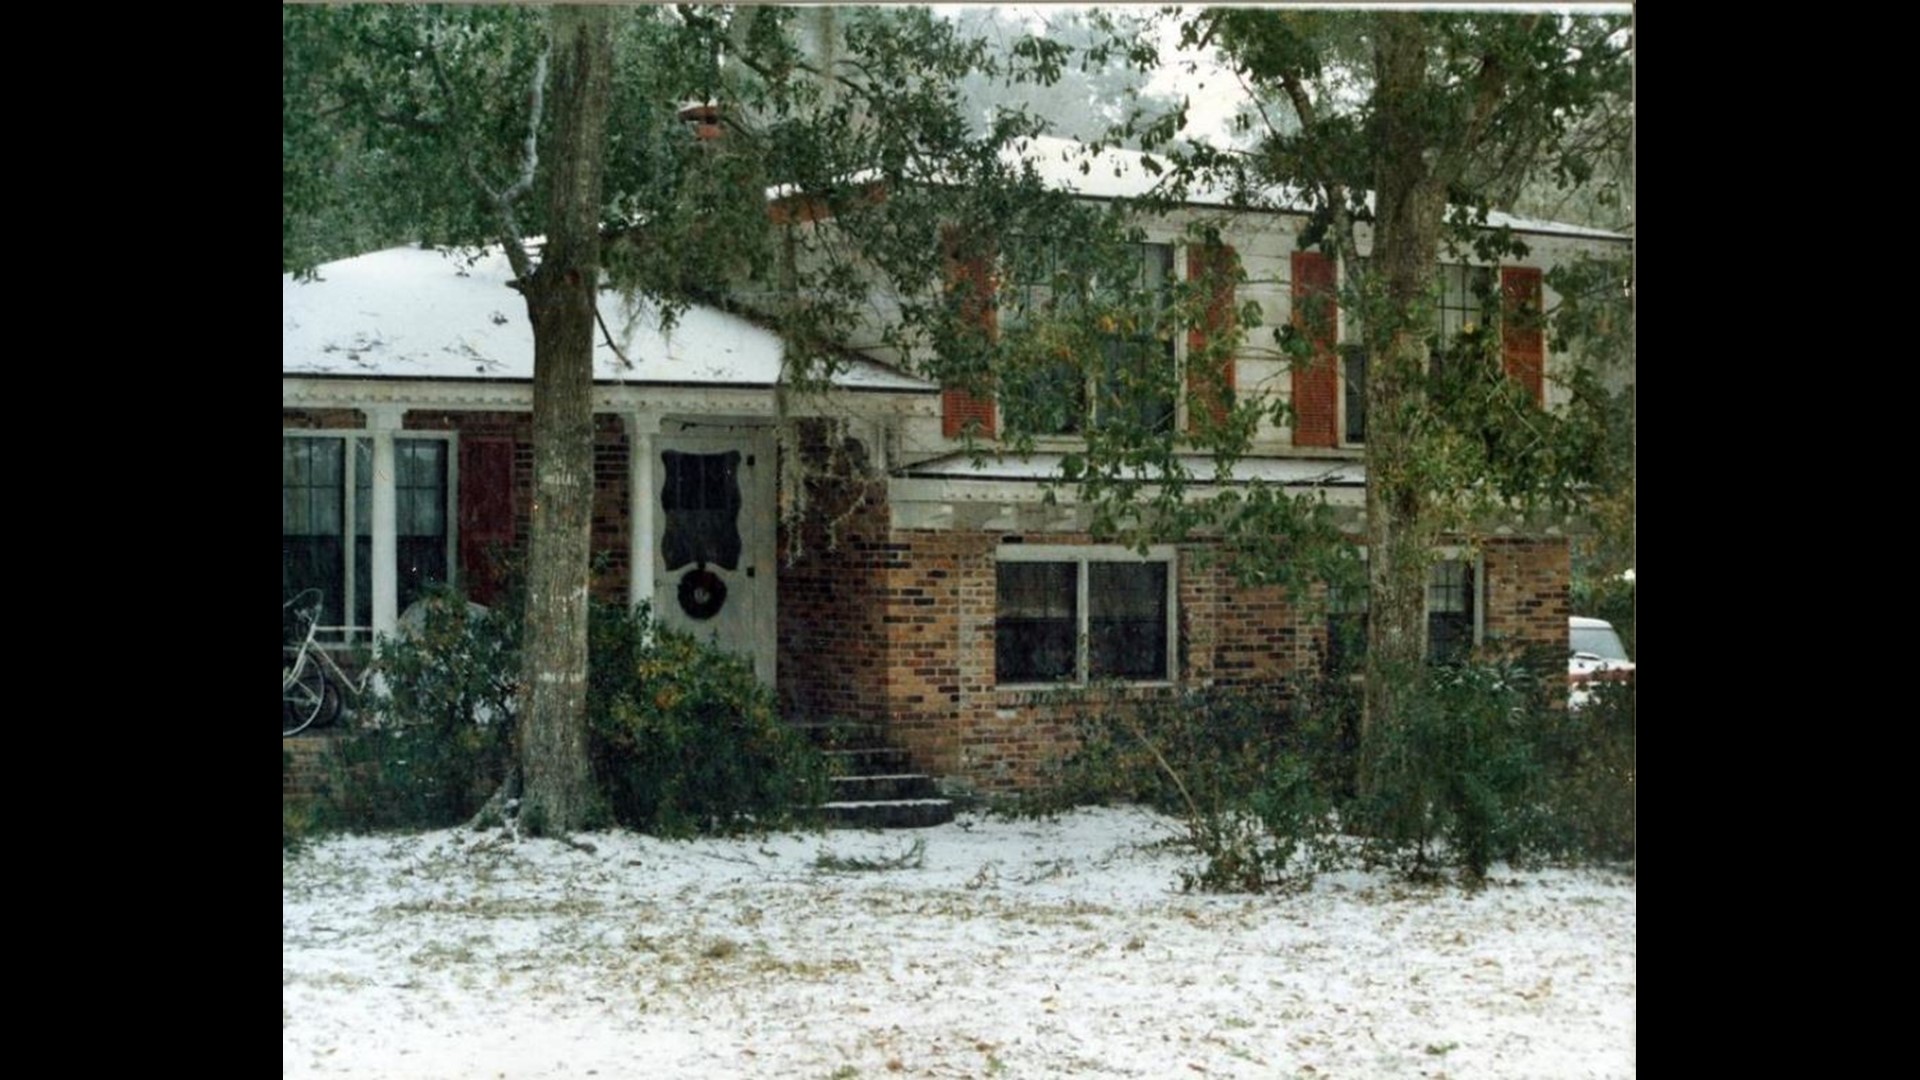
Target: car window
(1601,641)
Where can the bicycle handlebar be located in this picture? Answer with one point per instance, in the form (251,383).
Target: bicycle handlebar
(302,595)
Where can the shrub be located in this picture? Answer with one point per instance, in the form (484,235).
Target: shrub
(296,821)
(1487,765)
(1590,755)
(685,737)
(1249,778)
(437,737)
(1459,780)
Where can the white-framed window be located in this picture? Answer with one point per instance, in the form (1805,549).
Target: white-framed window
(1070,615)
(1130,371)
(326,520)
(1456,620)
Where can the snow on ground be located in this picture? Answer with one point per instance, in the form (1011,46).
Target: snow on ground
(1017,949)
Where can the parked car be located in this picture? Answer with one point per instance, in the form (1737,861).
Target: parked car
(1596,656)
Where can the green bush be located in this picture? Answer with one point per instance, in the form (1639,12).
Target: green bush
(1459,780)
(1589,755)
(686,739)
(1250,778)
(437,734)
(296,821)
(1487,765)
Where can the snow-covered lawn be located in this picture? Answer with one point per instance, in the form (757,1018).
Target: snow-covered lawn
(1018,949)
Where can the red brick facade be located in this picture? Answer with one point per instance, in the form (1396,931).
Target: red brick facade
(897,627)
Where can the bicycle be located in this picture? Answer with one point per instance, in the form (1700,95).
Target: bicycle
(312,682)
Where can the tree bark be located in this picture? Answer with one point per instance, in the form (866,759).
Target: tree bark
(1410,207)
(559,793)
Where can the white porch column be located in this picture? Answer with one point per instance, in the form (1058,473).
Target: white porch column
(642,427)
(385,576)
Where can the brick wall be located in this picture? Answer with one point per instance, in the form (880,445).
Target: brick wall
(832,644)
(1527,600)
(897,627)
(307,774)
(914,629)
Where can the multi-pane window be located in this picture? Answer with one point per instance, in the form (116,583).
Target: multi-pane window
(313,522)
(1451,616)
(1129,376)
(1353,386)
(1449,611)
(1466,298)
(1074,617)
(327,495)
(1037,622)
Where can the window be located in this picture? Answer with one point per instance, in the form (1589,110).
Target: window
(1353,404)
(1076,615)
(1466,298)
(1126,372)
(1453,620)
(326,496)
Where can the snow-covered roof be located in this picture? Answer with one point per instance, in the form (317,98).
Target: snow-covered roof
(1114,173)
(1124,174)
(417,313)
(1038,467)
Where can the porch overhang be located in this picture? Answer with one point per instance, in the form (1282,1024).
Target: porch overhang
(1031,494)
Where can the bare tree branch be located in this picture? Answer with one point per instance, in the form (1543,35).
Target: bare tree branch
(625,363)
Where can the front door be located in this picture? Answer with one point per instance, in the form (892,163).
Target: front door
(713,569)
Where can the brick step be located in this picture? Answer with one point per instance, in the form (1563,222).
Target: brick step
(888,814)
(883,787)
(829,734)
(868,761)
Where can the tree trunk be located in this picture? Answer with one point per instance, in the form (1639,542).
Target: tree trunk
(559,794)
(1411,204)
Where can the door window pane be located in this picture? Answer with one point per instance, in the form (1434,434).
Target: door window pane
(701,502)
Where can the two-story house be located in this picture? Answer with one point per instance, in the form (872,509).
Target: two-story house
(864,544)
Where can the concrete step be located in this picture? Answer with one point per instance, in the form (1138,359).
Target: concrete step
(868,761)
(883,787)
(889,814)
(842,736)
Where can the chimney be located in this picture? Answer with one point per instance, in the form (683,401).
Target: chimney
(704,118)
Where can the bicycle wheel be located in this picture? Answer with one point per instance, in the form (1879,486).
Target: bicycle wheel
(304,693)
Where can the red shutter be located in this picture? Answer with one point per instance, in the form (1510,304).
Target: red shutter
(1522,336)
(1210,379)
(1316,384)
(486,515)
(972,278)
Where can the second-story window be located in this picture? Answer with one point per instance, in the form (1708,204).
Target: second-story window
(1097,336)
(1467,298)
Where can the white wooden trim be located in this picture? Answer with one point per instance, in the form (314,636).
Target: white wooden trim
(383,478)
(643,428)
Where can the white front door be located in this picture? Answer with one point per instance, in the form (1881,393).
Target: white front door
(714,520)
